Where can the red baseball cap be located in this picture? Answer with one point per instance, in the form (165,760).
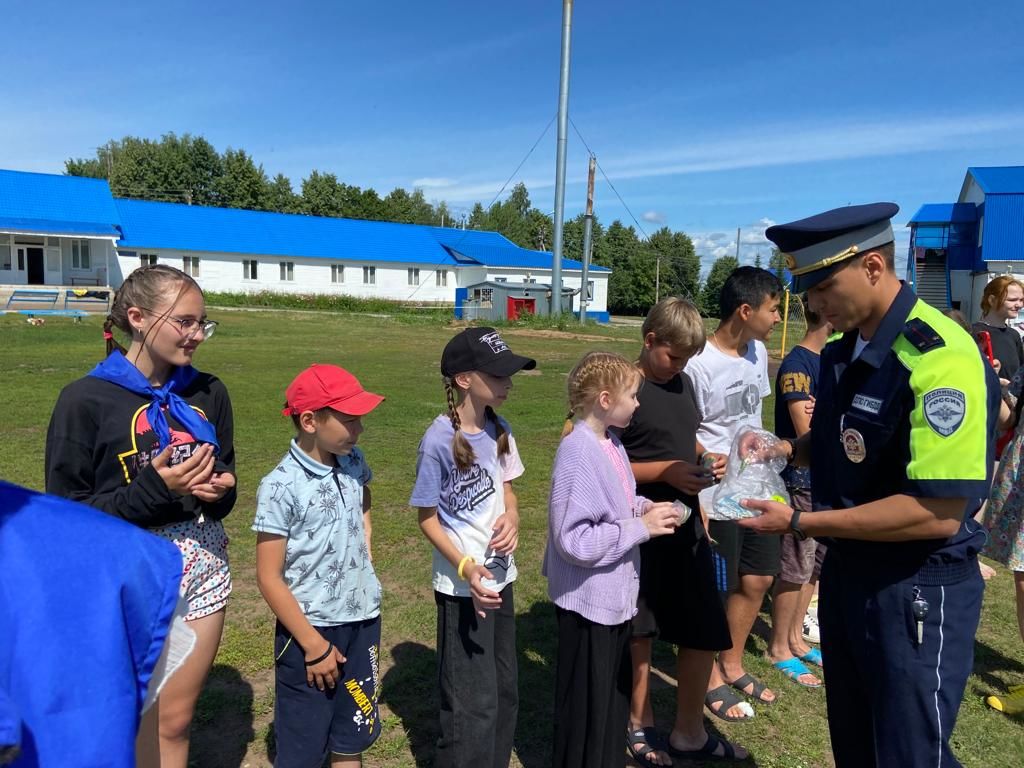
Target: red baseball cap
(328,386)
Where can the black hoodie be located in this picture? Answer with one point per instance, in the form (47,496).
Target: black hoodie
(99,446)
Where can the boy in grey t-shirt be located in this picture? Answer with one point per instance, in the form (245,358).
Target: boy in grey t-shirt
(314,570)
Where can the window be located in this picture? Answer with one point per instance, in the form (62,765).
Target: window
(190,266)
(590,290)
(80,255)
(5,256)
(414,275)
(287,271)
(250,270)
(369,275)
(529,279)
(147,259)
(337,273)
(501,279)
(441,278)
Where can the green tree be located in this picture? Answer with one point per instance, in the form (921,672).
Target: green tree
(322,195)
(280,196)
(243,183)
(777,264)
(679,263)
(631,286)
(477,217)
(720,270)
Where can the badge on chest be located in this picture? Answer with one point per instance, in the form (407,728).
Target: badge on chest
(854,446)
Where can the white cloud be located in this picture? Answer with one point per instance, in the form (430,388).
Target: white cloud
(654,217)
(433,182)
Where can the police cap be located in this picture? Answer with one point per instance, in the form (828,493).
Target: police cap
(815,245)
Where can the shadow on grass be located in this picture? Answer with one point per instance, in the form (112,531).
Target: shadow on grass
(409,689)
(223,724)
(992,666)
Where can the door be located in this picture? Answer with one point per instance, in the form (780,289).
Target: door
(517,307)
(36,267)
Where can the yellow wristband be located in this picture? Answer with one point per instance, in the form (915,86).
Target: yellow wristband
(462,564)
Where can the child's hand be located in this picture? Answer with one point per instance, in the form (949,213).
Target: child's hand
(809,406)
(220,483)
(484,599)
(661,518)
(689,478)
(718,465)
(505,533)
(324,673)
(197,469)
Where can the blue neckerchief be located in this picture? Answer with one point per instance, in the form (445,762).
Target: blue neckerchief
(117,370)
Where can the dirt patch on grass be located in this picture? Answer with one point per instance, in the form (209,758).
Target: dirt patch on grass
(545,334)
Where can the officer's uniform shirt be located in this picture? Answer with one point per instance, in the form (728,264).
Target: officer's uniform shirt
(913,414)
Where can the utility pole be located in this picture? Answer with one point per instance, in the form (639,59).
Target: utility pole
(588,237)
(657,279)
(737,245)
(563,137)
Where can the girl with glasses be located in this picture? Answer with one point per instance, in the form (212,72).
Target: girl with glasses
(146,437)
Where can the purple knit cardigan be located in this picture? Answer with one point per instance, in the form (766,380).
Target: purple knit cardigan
(592,562)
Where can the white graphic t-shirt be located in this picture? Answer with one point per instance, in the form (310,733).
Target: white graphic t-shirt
(468,502)
(728,391)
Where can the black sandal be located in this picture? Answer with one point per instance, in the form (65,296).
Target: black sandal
(650,741)
(726,700)
(756,688)
(707,752)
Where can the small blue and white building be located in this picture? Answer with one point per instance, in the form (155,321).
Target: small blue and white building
(957,248)
(69,231)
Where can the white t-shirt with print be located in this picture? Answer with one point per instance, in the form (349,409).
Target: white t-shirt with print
(728,391)
(468,502)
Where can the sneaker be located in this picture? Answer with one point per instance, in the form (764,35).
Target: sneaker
(811,632)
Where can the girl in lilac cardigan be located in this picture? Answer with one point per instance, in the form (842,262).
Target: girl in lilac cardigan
(595,523)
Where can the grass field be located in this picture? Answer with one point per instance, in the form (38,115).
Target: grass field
(257,354)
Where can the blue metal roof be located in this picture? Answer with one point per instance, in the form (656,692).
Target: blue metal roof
(231,230)
(945,213)
(513,256)
(48,203)
(1003,235)
(999,180)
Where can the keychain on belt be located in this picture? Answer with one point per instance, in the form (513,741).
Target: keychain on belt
(920,607)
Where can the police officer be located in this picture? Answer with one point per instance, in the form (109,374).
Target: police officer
(901,450)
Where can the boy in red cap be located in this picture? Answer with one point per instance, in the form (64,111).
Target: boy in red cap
(313,568)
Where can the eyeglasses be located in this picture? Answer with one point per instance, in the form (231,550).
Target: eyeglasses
(190,326)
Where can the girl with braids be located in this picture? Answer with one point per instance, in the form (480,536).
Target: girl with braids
(464,471)
(595,525)
(148,438)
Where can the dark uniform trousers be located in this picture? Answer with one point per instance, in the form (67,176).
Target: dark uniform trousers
(892,703)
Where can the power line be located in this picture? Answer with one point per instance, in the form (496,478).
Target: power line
(493,201)
(605,175)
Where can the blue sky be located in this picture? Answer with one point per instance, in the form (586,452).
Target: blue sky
(705,116)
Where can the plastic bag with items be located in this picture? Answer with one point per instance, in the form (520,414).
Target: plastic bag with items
(753,472)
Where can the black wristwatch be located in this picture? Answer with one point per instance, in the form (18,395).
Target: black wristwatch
(794,526)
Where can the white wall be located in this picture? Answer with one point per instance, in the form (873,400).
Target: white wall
(224,272)
(57,268)
(570,279)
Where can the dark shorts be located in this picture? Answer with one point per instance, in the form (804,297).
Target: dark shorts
(678,600)
(801,560)
(741,552)
(309,723)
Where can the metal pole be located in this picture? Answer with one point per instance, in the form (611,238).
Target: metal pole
(657,279)
(588,238)
(785,325)
(737,245)
(563,133)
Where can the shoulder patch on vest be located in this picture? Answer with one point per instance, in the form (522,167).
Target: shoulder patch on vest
(921,335)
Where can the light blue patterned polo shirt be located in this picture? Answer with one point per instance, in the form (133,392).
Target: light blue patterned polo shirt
(319,510)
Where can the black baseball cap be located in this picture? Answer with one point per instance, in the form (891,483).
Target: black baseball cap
(482,349)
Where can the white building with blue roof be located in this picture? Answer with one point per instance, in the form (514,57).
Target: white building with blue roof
(957,248)
(69,231)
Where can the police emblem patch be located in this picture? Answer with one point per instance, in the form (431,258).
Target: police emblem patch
(853,445)
(944,410)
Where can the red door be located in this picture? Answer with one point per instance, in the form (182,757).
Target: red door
(516,307)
